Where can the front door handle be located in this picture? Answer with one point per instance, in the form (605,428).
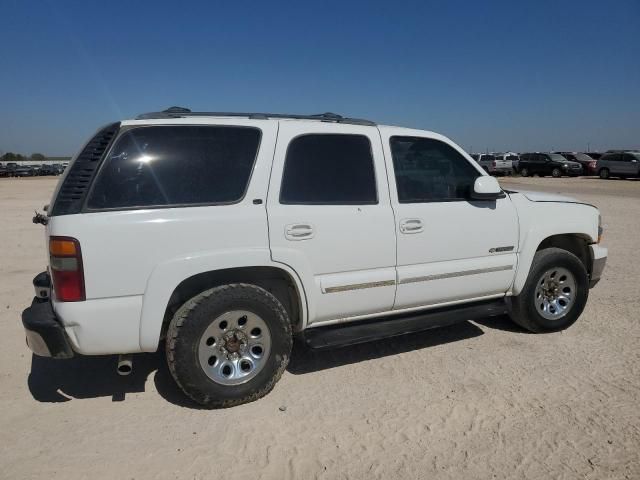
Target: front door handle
(411,225)
(298,231)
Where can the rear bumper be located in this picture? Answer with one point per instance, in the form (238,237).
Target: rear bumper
(598,261)
(45,334)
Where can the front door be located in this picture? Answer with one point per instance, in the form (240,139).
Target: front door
(628,165)
(450,248)
(330,218)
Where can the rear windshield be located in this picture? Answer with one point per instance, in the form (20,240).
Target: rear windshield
(176,165)
(488,158)
(512,157)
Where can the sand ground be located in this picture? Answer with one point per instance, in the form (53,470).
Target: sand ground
(476,400)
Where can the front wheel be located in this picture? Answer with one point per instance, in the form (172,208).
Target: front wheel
(524,172)
(554,294)
(229,345)
(604,173)
(556,173)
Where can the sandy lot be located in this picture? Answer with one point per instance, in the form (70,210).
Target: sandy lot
(476,400)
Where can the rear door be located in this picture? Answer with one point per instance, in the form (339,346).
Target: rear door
(450,248)
(330,218)
(629,165)
(613,163)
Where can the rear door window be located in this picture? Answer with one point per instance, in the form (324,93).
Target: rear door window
(611,157)
(329,169)
(176,166)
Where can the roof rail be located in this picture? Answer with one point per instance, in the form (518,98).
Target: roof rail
(181,112)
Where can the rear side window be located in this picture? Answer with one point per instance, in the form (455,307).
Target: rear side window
(329,169)
(176,165)
(428,170)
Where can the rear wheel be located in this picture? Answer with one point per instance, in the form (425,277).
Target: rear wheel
(604,173)
(554,294)
(556,173)
(229,345)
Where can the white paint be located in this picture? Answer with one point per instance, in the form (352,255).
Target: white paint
(411,256)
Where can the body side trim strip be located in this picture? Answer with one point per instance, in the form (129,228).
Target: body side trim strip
(359,286)
(441,276)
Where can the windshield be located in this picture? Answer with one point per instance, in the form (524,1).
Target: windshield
(557,157)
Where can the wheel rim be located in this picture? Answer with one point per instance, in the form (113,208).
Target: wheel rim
(235,347)
(604,173)
(556,172)
(524,172)
(556,292)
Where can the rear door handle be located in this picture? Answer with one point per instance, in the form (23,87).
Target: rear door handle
(411,225)
(298,231)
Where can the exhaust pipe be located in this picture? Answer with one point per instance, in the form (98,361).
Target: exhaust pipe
(125,364)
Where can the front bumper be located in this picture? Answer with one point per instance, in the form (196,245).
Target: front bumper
(598,261)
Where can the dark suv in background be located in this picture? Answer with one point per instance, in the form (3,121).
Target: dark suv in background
(619,164)
(543,164)
(588,163)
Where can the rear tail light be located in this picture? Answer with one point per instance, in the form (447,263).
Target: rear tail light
(65,260)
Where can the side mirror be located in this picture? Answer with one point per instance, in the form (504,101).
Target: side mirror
(486,188)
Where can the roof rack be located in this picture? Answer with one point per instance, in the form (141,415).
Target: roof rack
(181,112)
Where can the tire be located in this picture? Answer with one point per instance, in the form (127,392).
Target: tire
(188,337)
(604,173)
(556,173)
(525,310)
(524,172)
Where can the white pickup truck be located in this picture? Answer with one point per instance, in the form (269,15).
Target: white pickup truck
(223,236)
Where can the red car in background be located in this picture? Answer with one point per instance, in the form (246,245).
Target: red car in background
(588,163)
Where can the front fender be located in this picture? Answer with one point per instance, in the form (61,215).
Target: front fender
(166,277)
(541,220)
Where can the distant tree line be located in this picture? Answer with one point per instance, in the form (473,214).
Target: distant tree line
(17,157)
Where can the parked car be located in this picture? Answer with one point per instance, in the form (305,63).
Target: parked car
(11,166)
(336,230)
(587,162)
(512,157)
(3,170)
(49,169)
(23,171)
(543,164)
(491,164)
(621,165)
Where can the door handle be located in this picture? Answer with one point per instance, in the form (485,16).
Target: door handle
(411,225)
(298,231)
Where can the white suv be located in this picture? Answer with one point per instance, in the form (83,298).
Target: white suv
(227,235)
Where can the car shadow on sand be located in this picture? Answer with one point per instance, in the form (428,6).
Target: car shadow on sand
(55,381)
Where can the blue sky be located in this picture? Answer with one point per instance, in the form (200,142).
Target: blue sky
(490,75)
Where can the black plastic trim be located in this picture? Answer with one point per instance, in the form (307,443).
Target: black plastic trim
(76,183)
(375,329)
(39,320)
(180,112)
